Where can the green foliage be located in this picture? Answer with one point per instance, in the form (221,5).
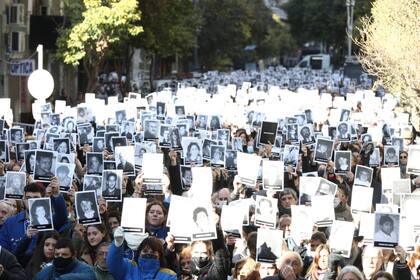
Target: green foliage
(102,24)
(170,27)
(322,21)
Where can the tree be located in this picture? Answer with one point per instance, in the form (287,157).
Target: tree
(225,32)
(170,28)
(324,22)
(103,23)
(390,49)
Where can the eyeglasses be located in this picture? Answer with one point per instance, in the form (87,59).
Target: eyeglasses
(401,157)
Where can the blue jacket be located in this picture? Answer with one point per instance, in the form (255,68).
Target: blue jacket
(123,269)
(77,271)
(14,228)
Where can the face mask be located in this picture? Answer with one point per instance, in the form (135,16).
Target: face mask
(250,149)
(336,202)
(221,203)
(148,263)
(200,262)
(60,262)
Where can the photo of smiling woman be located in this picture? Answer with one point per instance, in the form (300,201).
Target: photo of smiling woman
(40,213)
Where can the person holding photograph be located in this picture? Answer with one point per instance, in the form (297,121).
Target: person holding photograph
(14,230)
(150,264)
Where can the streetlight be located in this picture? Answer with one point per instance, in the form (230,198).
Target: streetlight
(350,8)
(40,82)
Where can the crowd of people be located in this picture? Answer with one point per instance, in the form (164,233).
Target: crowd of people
(317,148)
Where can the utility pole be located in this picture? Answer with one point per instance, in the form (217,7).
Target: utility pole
(349,30)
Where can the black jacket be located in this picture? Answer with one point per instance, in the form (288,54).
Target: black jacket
(12,269)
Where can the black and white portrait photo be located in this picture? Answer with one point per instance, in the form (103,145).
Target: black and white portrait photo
(62,145)
(217,155)
(111,185)
(203,226)
(266,211)
(214,123)
(292,132)
(15,182)
(44,165)
(124,158)
(127,129)
(4,151)
(82,115)
(202,122)
(94,163)
(98,144)
(186,177)
(40,214)
(160,110)
(175,138)
(55,119)
(237,144)
(387,227)
(110,165)
(64,173)
(305,135)
(375,158)
(363,176)
(290,155)
(180,110)
(70,125)
(207,143)
(192,151)
(345,115)
(391,155)
(30,161)
(20,150)
(231,160)
(151,129)
(86,134)
(108,140)
(366,138)
(342,162)
(93,183)
(343,132)
(118,141)
(164,136)
(120,116)
(323,150)
(87,210)
(223,135)
(16,135)
(182,129)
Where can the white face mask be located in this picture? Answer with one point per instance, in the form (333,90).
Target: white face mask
(134,239)
(336,202)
